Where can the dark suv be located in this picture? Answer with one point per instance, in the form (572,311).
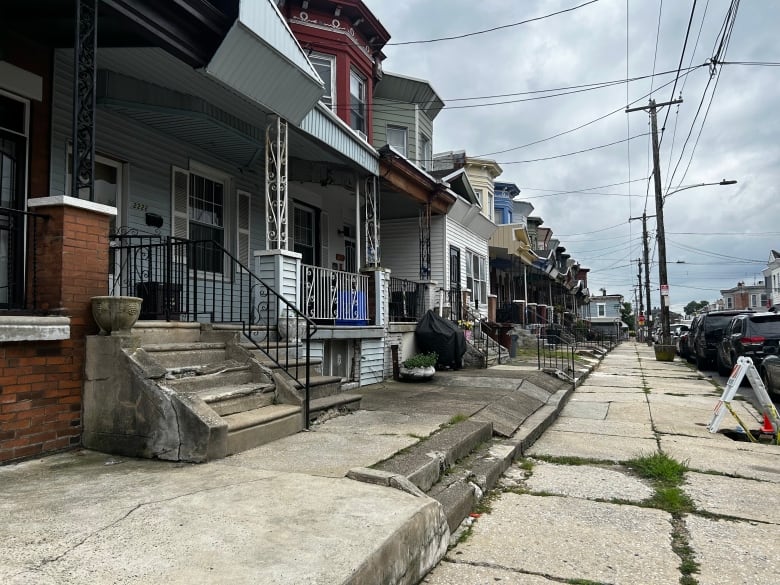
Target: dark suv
(753,335)
(709,331)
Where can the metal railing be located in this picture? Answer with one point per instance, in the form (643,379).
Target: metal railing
(19,283)
(334,296)
(187,280)
(558,356)
(449,303)
(407,302)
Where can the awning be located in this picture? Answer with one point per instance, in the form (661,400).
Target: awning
(260,58)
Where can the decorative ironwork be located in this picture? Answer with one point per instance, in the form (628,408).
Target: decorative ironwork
(372,222)
(16,293)
(334,295)
(84,78)
(276,199)
(425,242)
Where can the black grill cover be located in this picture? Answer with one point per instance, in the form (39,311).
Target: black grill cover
(434,333)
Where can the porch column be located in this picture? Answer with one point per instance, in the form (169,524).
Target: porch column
(276,199)
(425,241)
(85,71)
(372,223)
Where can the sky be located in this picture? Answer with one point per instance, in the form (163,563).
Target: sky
(727,126)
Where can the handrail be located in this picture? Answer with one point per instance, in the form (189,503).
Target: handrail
(197,280)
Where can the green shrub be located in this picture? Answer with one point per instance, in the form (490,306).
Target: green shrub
(422,360)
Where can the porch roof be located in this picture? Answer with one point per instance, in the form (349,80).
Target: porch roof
(401,176)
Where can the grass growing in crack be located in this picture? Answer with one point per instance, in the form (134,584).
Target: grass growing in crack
(458,418)
(526,465)
(682,548)
(582,582)
(672,500)
(571,460)
(659,467)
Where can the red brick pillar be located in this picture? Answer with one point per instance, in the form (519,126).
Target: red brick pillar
(41,381)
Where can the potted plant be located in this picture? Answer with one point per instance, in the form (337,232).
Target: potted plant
(420,366)
(466,326)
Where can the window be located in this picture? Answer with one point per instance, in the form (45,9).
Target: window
(396,137)
(425,156)
(108,184)
(753,300)
(207,213)
(357,109)
(729,303)
(325,65)
(478,194)
(303,233)
(476,276)
(491,210)
(601,309)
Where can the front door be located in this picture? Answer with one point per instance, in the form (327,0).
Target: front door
(13,158)
(455,298)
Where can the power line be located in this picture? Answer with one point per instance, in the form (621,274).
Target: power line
(493,29)
(515,162)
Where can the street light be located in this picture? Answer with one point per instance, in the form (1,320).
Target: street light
(661,237)
(723,182)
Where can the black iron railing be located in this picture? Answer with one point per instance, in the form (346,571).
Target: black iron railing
(407,300)
(19,283)
(557,356)
(185,280)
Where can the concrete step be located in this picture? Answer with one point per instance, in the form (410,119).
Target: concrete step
(321,386)
(296,368)
(227,400)
(181,355)
(424,463)
(231,376)
(253,428)
(342,401)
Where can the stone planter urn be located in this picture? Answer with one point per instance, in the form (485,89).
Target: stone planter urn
(291,328)
(116,315)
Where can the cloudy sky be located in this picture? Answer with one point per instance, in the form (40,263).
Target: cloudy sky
(726,128)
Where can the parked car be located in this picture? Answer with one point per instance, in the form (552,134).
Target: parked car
(753,335)
(677,330)
(770,374)
(685,343)
(709,332)
(681,345)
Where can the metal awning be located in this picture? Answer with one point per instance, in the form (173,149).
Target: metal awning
(260,58)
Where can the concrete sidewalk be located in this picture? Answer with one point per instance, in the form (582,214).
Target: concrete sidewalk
(573,512)
(284,513)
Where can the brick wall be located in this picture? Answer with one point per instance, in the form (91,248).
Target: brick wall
(41,381)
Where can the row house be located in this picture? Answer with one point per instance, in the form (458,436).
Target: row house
(224,163)
(536,282)
(745,296)
(772,280)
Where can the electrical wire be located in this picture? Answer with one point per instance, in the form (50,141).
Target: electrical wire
(493,29)
(515,162)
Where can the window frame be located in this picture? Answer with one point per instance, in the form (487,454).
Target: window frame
(477,283)
(425,152)
(330,102)
(601,309)
(358,104)
(402,129)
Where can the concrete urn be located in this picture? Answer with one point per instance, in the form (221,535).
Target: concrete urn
(417,374)
(116,315)
(291,327)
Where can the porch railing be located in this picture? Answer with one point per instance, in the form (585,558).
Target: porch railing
(19,283)
(185,280)
(450,303)
(407,302)
(334,296)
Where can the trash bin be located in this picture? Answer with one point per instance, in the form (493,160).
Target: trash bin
(513,345)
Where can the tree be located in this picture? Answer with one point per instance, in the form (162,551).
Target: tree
(694,307)
(627,315)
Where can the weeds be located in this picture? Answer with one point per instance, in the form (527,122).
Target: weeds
(659,467)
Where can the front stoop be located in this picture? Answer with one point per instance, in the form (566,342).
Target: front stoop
(193,394)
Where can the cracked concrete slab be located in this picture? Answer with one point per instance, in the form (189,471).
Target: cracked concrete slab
(596,541)
(455,573)
(589,482)
(590,446)
(381,422)
(722,455)
(729,496)
(734,552)
(605,427)
(591,410)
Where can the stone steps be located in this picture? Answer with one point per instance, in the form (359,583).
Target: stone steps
(252,428)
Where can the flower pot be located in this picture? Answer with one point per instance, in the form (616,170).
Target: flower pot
(467,333)
(116,315)
(417,374)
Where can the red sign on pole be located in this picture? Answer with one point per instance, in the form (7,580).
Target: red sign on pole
(664,290)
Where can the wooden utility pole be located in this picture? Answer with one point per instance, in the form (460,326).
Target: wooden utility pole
(646,254)
(663,280)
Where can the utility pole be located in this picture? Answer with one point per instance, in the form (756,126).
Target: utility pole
(646,254)
(663,280)
(639,294)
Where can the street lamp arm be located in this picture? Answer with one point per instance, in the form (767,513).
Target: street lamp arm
(723,182)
